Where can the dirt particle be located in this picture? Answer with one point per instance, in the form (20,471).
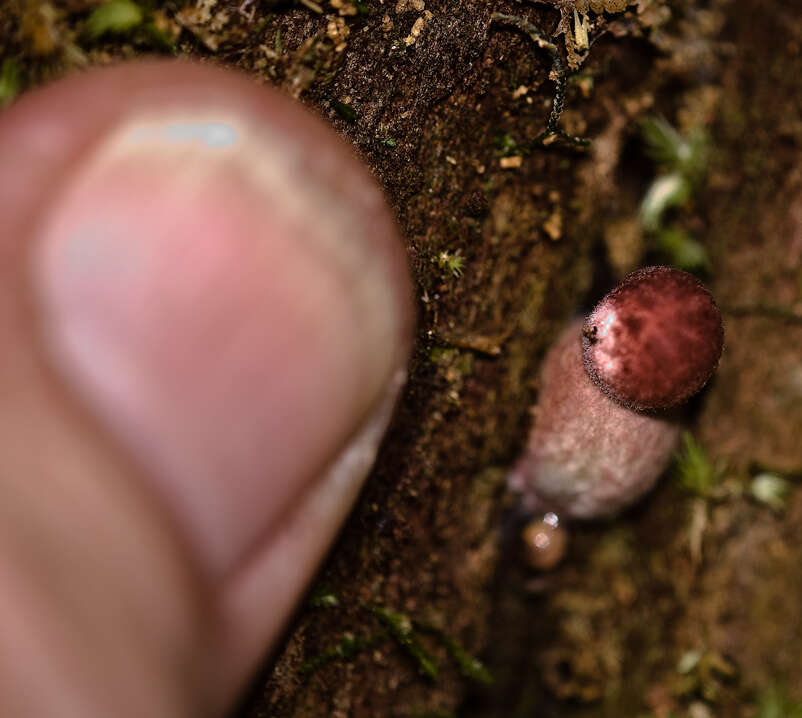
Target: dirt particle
(510,163)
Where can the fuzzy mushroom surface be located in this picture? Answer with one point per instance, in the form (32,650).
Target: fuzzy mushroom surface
(655,340)
(602,433)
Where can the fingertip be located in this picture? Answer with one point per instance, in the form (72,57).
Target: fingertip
(235,316)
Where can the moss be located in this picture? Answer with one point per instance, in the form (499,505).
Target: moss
(9,81)
(346,111)
(694,471)
(402,630)
(114,17)
(774,702)
(347,647)
(469,666)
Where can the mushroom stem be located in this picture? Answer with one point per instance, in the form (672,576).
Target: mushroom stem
(587,456)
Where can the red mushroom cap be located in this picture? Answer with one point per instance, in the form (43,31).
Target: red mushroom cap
(654,340)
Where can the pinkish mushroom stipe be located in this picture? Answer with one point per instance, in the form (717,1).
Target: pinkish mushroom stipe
(602,435)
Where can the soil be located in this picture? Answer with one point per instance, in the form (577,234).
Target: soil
(687,605)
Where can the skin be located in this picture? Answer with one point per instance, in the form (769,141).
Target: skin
(196,374)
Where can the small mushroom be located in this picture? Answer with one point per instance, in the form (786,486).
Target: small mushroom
(603,431)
